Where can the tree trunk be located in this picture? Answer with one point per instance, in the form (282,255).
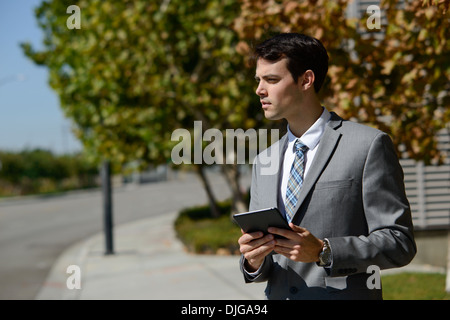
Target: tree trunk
(232,175)
(215,212)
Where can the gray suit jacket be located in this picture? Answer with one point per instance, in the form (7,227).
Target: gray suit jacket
(354,196)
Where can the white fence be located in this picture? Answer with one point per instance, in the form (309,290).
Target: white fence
(428,189)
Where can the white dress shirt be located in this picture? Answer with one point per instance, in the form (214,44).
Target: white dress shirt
(311,138)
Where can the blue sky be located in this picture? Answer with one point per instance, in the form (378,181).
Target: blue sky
(30,115)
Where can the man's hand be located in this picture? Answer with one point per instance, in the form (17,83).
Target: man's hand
(255,247)
(299,245)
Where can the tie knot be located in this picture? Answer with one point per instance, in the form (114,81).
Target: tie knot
(299,147)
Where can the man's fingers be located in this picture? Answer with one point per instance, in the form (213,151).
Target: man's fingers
(297,228)
(256,257)
(259,251)
(247,246)
(288,243)
(255,251)
(292,234)
(288,234)
(247,237)
(287,252)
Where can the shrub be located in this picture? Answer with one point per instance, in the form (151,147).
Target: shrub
(201,233)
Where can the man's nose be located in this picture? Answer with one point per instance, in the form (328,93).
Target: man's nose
(260,90)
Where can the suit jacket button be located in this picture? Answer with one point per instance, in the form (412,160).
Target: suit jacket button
(293,290)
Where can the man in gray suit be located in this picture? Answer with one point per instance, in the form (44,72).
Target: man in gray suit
(338,183)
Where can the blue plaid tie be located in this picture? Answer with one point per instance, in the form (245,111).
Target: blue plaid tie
(295,179)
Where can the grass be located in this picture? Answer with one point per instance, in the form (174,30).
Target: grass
(414,286)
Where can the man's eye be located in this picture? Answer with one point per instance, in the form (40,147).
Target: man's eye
(272,80)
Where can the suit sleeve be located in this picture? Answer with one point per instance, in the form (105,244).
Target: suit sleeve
(389,242)
(263,272)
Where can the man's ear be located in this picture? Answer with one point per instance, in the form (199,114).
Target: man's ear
(307,80)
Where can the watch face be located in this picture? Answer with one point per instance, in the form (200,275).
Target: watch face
(325,256)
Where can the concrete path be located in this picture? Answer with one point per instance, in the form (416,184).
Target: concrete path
(149,263)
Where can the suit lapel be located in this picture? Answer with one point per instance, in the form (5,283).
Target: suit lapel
(272,184)
(327,145)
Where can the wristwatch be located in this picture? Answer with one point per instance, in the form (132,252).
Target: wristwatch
(325,255)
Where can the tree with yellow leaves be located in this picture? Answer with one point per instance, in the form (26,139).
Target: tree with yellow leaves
(395,78)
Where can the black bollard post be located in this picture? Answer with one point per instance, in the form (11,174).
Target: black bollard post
(107,207)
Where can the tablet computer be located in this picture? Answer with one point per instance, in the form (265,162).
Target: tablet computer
(261,220)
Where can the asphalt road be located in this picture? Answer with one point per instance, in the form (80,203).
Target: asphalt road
(34,231)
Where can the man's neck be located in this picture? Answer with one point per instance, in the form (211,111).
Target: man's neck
(302,121)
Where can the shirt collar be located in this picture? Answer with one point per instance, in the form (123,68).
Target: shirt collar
(311,137)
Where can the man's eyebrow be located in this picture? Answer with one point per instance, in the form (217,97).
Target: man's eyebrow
(267,76)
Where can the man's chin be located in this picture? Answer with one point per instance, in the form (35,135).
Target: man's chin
(271,116)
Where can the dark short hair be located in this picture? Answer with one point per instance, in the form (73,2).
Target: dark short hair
(303,53)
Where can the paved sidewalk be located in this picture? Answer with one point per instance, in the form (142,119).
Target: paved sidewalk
(149,263)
